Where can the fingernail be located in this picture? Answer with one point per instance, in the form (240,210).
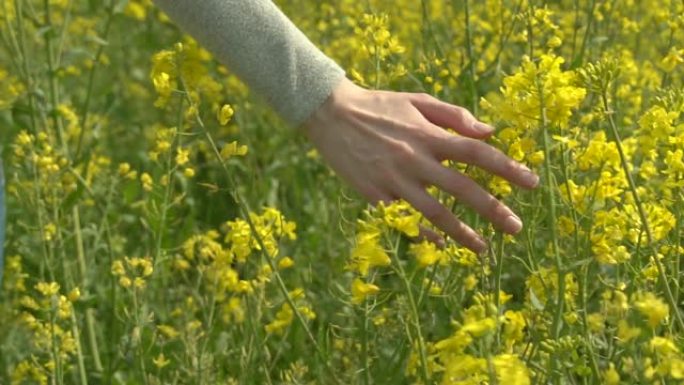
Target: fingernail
(482,127)
(480,245)
(531,179)
(512,224)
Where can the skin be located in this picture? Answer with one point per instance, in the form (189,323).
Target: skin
(389,145)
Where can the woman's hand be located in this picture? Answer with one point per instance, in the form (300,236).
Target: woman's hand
(389,145)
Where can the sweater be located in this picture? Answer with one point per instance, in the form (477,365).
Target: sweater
(257,42)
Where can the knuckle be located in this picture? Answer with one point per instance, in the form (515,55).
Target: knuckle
(473,150)
(427,135)
(436,214)
(461,113)
(423,97)
(511,167)
(385,175)
(466,115)
(457,183)
(495,209)
(390,179)
(403,152)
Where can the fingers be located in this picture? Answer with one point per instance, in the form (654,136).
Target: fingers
(374,195)
(442,218)
(431,236)
(469,192)
(483,155)
(448,115)
(468,150)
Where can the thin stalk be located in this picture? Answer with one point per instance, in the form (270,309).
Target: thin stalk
(139,327)
(416,321)
(577,61)
(58,374)
(52,80)
(583,276)
(678,232)
(167,188)
(428,31)
(91,80)
(364,346)
(642,212)
(244,211)
(79,352)
(497,285)
(471,57)
(24,61)
(90,320)
(551,200)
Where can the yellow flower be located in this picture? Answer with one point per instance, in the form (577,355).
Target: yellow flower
(125,282)
(470,282)
(626,333)
(182,156)
(554,42)
(360,290)
(510,370)
(118,268)
(401,216)
(368,254)
(611,376)
(653,308)
(49,231)
(283,319)
(234,310)
(427,254)
(47,289)
(168,331)
(520,99)
(663,346)
(285,263)
(225,114)
(514,326)
(672,59)
(160,361)
(189,172)
(74,294)
(147,182)
(233,148)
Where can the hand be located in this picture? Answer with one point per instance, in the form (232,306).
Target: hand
(389,145)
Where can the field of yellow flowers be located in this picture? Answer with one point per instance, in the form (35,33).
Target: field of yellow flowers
(165,227)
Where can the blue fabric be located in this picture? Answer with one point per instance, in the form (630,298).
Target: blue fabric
(2,221)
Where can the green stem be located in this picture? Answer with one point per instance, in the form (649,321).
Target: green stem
(577,61)
(551,200)
(583,275)
(90,321)
(244,211)
(364,346)
(91,80)
(471,57)
(497,285)
(79,352)
(642,212)
(52,80)
(24,60)
(416,321)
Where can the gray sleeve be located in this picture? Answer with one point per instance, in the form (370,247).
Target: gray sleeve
(256,41)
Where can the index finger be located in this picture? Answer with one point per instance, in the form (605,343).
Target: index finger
(442,218)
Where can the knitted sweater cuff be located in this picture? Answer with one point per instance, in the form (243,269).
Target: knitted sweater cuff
(256,41)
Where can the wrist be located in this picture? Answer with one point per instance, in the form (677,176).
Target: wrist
(339,98)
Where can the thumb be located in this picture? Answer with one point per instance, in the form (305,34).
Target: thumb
(450,116)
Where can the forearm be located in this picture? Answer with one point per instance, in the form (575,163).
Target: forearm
(256,41)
